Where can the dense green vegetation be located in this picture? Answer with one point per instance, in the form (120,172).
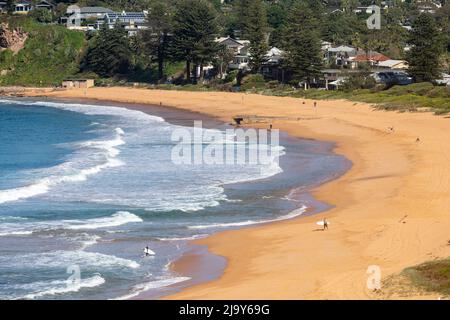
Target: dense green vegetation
(51,53)
(180,42)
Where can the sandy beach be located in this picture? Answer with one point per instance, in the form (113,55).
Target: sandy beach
(392,209)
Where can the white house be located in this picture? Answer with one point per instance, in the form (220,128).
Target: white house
(130,21)
(75,16)
(22,7)
(241,55)
(45,5)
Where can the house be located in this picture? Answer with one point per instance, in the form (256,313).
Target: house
(444,80)
(3,7)
(393,64)
(428,6)
(332,79)
(45,5)
(339,55)
(240,49)
(22,7)
(325,45)
(233,44)
(78,83)
(79,18)
(373,58)
(93,18)
(272,66)
(363,10)
(130,21)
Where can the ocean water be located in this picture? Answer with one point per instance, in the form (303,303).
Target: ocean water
(84,188)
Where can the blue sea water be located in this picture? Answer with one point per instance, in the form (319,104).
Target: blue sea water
(84,188)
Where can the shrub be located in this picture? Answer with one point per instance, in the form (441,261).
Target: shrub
(231,76)
(253,81)
(354,82)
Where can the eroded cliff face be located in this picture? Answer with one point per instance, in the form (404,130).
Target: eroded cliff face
(13,40)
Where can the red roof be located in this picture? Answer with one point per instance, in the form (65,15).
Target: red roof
(371,57)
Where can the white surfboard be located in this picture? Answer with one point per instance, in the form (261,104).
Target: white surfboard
(149,252)
(320,223)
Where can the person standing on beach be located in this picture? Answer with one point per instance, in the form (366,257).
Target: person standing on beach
(325,224)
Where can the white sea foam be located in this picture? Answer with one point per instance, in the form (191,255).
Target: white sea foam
(63,287)
(26,228)
(90,109)
(161,283)
(61,259)
(194,237)
(117,219)
(88,240)
(15,233)
(291,215)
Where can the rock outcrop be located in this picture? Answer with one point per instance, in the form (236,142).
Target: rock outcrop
(13,40)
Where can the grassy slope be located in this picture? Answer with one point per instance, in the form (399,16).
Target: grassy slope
(404,98)
(50,54)
(431,276)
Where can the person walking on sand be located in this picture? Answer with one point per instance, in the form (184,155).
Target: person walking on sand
(325,224)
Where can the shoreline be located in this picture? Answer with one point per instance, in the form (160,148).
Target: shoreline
(392,176)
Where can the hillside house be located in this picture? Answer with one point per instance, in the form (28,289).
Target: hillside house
(132,22)
(22,7)
(372,58)
(48,5)
(240,49)
(84,18)
(339,56)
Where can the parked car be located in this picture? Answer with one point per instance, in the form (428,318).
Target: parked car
(392,78)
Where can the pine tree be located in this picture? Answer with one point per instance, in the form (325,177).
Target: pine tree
(195,29)
(156,38)
(254,24)
(109,54)
(302,44)
(10,6)
(423,58)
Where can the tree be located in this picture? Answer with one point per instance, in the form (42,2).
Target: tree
(10,6)
(156,39)
(109,53)
(302,44)
(254,24)
(224,57)
(424,55)
(195,29)
(41,15)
